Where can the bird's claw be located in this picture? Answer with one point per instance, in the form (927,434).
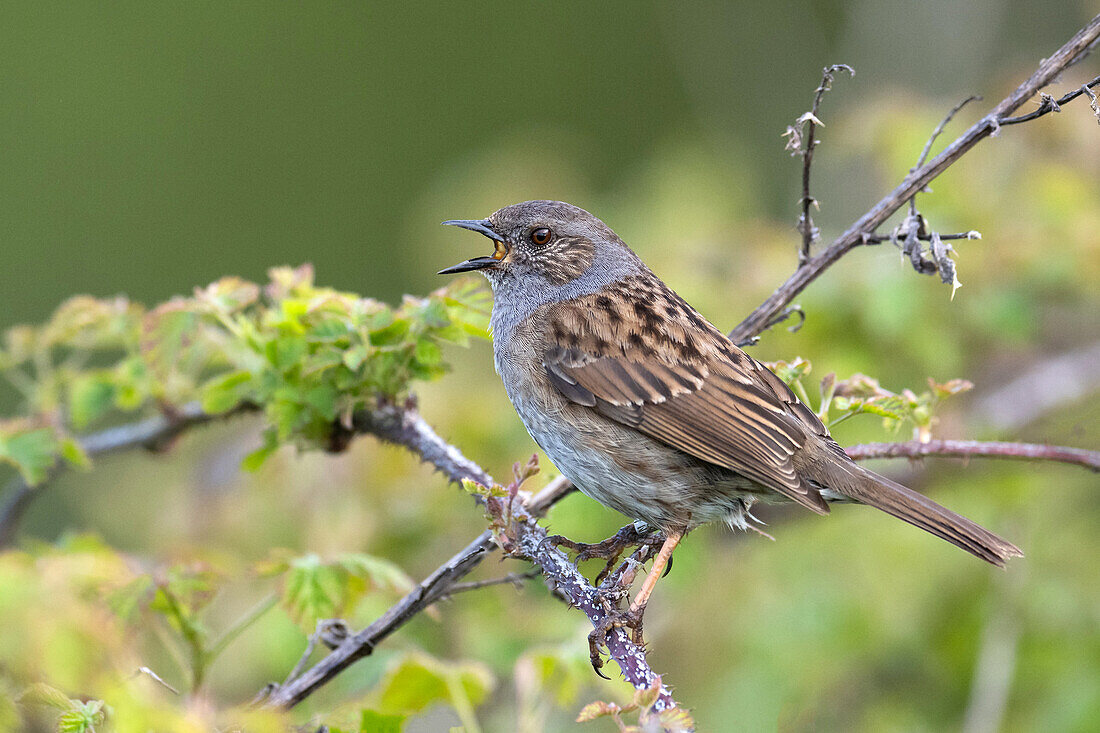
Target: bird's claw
(610,549)
(615,618)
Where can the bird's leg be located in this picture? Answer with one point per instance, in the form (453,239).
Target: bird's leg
(633,616)
(610,549)
(663,559)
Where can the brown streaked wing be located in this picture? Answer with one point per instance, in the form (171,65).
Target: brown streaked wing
(723,408)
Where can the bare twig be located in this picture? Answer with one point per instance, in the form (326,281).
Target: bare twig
(939,129)
(914,226)
(924,237)
(155,677)
(404,426)
(977,449)
(783,315)
(1047,103)
(515,579)
(913,183)
(803,145)
(526,539)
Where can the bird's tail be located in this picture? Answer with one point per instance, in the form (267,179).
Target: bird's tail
(880,492)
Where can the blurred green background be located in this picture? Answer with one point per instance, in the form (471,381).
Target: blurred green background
(148,148)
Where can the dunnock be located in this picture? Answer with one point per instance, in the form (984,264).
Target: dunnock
(648,408)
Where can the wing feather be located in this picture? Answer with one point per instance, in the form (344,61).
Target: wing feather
(702,396)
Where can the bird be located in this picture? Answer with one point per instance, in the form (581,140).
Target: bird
(647,407)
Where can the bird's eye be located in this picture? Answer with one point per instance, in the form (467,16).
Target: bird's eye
(541,236)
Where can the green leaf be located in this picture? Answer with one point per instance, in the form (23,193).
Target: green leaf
(258,457)
(314,590)
(229,295)
(879,410)
(90,396)
(473,487)
(322,398)
(646,697)
(379,572)
(355,356)
(182,594)
(428,352)
(73,452)
(791,371)
(329,329)
(42,694)
(419,681)
(434,314)
(286,352)
(32,452)
(223,393)
(674,720)
(83,718)
(167,332)
(133,597)
(392,334)
(375,722)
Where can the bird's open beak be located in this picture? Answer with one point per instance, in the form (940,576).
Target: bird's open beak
(482,226)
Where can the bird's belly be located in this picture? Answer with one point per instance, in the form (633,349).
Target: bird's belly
(630,472)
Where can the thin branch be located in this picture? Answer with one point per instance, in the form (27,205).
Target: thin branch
(924,237)
(430,590)
(515,579)
(977,449)
(527,539)
(240,625)
(913,183)
(152,433)
(939,129)
(1049,104)
(810,121)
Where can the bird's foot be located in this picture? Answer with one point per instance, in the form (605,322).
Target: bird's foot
(612,548)
(616,618)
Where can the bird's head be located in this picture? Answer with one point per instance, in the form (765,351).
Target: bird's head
(551,240)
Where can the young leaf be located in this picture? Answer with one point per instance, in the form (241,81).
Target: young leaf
(418,680)
(84,717)
(223,393)
(375,722)
(32,452)
(597,709)
(90,396)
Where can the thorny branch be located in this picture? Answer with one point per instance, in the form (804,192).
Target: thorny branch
(916,181)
